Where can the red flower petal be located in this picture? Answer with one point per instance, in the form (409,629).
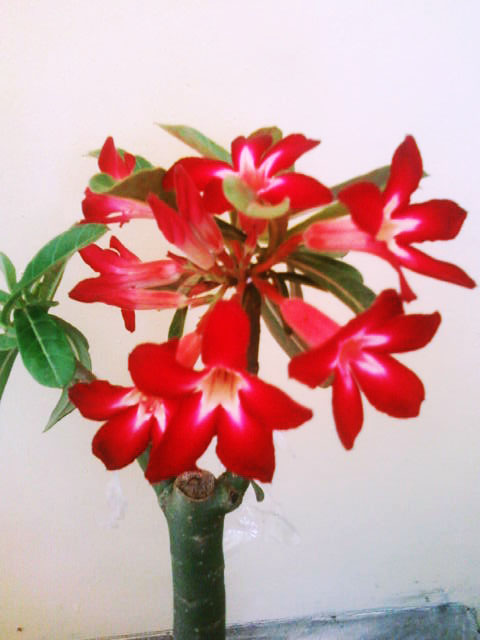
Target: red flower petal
(387,305)
(201,170)
(156,371)
(347,408)
(406,333)
(285,152)
(184,441)
(309,323)
(226,336)
(99,400)
(432,220)
(257,145)
(108,290)
(191,208)
(422,263)
(270,406)
(245,447)
(405,174)
(388,385)
(303,191)
(315,366)
(122,439)
(214,198)
(365,202)
(111,162)
(338,234)
(103,207)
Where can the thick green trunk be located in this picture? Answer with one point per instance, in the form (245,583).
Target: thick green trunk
(195,507)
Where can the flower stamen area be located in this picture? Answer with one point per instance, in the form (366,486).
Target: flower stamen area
(148,407)
(220,387)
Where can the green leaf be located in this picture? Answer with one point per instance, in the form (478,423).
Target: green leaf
(60,248)
(275,132)
(7,342)
(377,176)
(48,258)
(77,341)
(142,163)
(197,141)
(178,323)
(61,409)
(273,319)
(4,296)
(101,182)
(139,185)
(336,276)
(259,493)
(6,266)
(45,350)
(7,358)
(46,287)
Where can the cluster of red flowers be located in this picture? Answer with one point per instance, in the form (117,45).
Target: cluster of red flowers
(174,409)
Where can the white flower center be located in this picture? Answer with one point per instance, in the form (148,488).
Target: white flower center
(220,387)
(148,407)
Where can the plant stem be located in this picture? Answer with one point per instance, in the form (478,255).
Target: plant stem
(195,509)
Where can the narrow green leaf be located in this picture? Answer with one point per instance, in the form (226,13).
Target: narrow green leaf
(45,350)
(336,276)
(101,182)
(178,323)
(7,342)
(273,319)
(7,358)
(61,409)
(77,340)
(259,493)
(4,296)
(377,176)
(197,141)
(275,132)
(60,248)
(6,266)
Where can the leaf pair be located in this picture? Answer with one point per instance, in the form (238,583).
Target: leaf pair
(53,351)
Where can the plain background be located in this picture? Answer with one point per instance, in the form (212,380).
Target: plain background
(84,552)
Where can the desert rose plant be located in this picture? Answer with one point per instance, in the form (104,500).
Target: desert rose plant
(250,237)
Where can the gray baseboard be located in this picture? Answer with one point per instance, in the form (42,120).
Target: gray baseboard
(440,622)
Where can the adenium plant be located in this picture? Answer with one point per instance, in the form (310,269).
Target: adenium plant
(250,238)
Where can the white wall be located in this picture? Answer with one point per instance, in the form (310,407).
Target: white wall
(396,520)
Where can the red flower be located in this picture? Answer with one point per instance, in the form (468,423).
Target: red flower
(112,162)
(262,170)
(222,400)
(357,357)
(134,418)
(126,282)
(107,208)
(191,228)
(386,224)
